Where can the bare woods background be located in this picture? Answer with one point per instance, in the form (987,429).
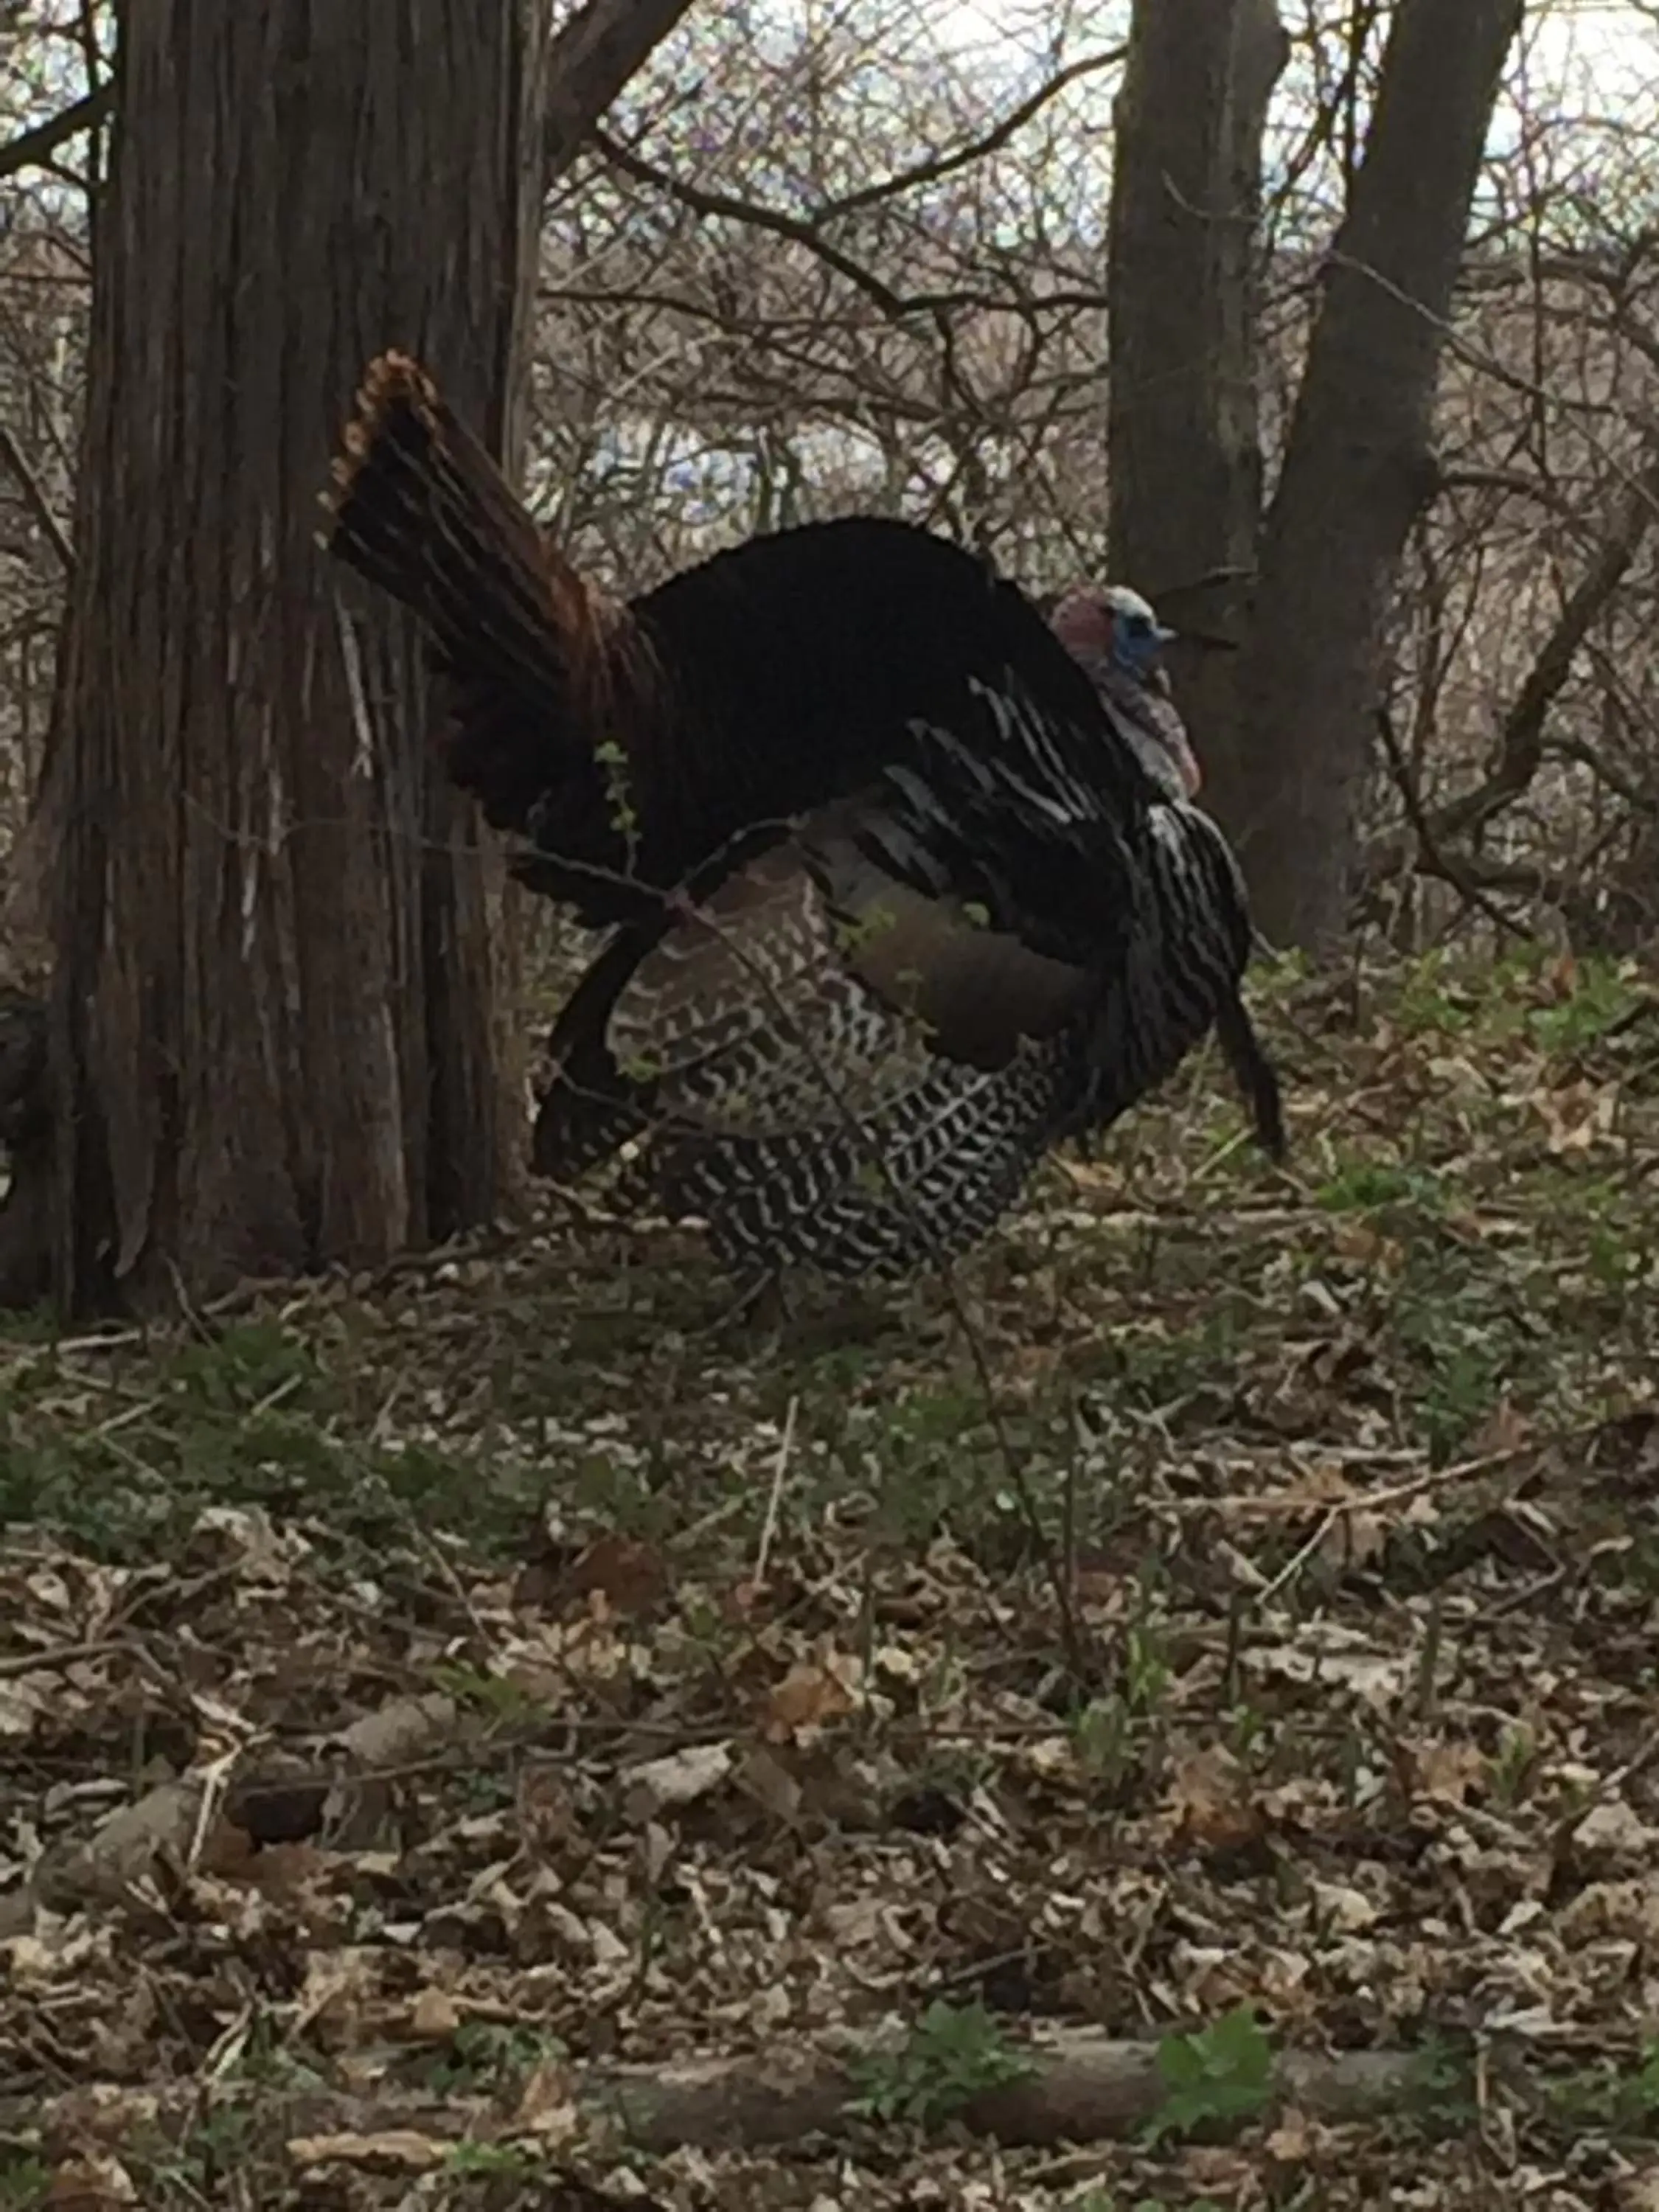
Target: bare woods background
(828,257)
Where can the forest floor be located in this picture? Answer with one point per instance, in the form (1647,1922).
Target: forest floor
(435,1712)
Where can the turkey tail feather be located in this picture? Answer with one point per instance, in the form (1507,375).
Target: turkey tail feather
(542,665)
(1253,1071)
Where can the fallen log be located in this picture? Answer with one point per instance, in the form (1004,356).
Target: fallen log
(1083,2088)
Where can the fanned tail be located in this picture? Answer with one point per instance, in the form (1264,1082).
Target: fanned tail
(544,667)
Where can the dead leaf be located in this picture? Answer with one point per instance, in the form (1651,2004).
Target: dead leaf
(227,1851)
(1210,1798)
(547,2102)
(397,1733)
(285,1873)
(1348,1540)
(770,1784)
(95,2183)
(1579,1117)
(338,1987)
(1292,2140)
(1504,1430)
(657,1848)
(1443,1770)
(400,2149)
(662,1784)
(1614,1828)
(122,1849)
(24,1701)
(631,1578)
(1342,1907)
(433,2017)
(547,1817)
(809,1697)
(243,1536)
(1361,1241)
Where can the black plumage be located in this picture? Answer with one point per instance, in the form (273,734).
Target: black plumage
(901,894)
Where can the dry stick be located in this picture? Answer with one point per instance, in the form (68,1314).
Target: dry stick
(36,146)
(807,230)
(61,1654)
(1519,751)
(1442,863)
(930,170)
(1395,1493)
(768,1527)
(895,306)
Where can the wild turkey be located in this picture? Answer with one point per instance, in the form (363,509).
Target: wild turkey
(903,890)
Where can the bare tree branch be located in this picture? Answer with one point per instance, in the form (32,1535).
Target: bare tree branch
(42,141)
(1520,745)
(796,227)
(1432,858)
(36,501)
(592,58)
(937,165)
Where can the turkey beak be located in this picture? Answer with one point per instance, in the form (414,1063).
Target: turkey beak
(1161,636)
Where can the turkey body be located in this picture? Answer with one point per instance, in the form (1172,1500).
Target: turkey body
(900,898)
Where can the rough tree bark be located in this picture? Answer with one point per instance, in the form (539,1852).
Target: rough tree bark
(272,1037)
(1285,730)
(1183,430)
(1359,465)
(271,1027)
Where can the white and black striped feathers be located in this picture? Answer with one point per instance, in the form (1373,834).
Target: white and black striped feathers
(900,897)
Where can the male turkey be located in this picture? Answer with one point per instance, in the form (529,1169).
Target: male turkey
(903,882)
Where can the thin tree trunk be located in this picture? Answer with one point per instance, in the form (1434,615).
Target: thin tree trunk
(1183,429)
(271,1032)
(1358,468)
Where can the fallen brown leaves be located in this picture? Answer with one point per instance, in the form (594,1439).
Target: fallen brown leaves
(627,1723)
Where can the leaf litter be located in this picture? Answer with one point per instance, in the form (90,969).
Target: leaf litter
(427,1701)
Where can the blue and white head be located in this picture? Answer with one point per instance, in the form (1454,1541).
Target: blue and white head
(1137,636)
(1113,633)
(1108,622)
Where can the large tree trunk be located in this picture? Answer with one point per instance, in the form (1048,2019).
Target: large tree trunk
(1357,467)
(1283,727)
(272,1037)
(1183,427)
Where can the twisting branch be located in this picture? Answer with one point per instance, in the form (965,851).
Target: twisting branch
(929,171)
(1433,859)
(801,231)
(1520,741)
(39,144)
(798,229)
(596,52)
(1522,744)
(12,454)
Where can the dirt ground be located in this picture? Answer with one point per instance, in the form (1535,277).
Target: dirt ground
(1170,1718)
